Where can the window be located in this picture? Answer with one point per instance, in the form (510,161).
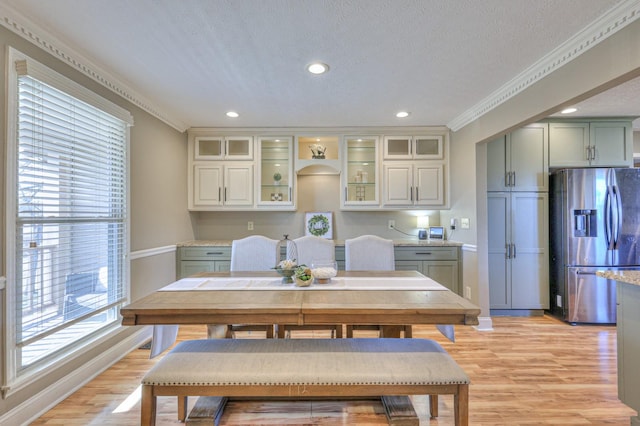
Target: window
(68,152)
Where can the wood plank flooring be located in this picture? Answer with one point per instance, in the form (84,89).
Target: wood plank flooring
(527,371)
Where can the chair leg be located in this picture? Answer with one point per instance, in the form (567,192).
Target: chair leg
(148,406)
(433,406)
(182,408)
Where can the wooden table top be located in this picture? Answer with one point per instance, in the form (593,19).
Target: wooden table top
(331,306)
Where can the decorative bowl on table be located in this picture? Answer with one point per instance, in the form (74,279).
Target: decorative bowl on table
(324,270)
(287,269)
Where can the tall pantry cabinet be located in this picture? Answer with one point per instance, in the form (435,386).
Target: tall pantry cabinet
(517,204)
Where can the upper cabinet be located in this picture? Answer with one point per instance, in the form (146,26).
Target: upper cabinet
(518,161)
(415,171)
(275,172)
(359,179)
(591,143)
(223,148)
(413,147)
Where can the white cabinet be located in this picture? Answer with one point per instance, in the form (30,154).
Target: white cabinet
(275,173)
(590,144)
(359,180)
(217,185)
(430,147)
(518,161)
(414,184)
(220,172)
(223,148)
(518,250)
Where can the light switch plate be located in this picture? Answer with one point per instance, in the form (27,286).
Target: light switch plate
(464,222)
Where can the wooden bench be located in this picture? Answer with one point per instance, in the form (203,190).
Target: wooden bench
(304,368)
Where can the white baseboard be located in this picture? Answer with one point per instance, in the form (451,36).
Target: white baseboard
(484,324)
(38,404)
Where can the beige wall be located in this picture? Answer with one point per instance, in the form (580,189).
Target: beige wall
(158,209)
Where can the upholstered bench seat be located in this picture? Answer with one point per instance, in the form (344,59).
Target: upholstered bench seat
(304,368)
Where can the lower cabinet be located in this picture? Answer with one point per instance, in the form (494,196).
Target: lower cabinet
(518,250)
(442,264)
(192,260)
(628,341)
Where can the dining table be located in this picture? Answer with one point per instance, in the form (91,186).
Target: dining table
(389,299)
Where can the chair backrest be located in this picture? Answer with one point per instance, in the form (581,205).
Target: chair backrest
(312,248)
(254,253)
(369,253)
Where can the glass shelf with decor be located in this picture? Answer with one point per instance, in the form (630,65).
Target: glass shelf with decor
(276,172)
(360,175)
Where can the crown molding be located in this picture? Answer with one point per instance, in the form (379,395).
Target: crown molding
(26,29)
(608,24)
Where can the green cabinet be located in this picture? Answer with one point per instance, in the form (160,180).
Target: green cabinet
(628,341)
(441,263)
(192,260)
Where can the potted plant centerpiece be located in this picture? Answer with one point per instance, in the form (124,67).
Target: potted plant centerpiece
(303,276)
(286,268)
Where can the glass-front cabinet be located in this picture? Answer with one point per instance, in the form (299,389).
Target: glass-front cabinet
(221,148)
(414,147)
(360,172)
(275,174)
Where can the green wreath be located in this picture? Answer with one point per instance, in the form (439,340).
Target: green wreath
(318,225)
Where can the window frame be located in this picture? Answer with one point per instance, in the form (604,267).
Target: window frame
(13,378)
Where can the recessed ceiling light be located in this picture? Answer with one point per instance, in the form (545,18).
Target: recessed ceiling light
(233,114)
(403,114)
(568,110)
(317,68)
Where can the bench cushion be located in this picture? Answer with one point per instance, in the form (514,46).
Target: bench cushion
(264,362)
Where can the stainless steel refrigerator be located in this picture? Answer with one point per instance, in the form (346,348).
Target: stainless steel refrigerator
(594,225)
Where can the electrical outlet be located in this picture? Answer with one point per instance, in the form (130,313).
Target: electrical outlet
(453,223)
(249,226)
(467,292)
(392,224)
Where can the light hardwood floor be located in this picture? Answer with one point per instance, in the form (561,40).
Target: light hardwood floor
(527,371)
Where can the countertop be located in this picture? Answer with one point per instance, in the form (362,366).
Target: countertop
(338,243)
(629,277)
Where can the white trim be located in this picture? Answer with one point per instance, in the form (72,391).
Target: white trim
(24,27)
(484,324)
(32,408)
(606,25)
(139,254)
(470,248)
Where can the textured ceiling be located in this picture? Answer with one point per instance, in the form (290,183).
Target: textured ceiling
(193,60)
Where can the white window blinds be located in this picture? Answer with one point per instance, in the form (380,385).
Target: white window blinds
(71,224)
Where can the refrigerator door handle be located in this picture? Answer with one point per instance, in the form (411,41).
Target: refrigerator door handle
(508,250)
(607,219)
(616,219)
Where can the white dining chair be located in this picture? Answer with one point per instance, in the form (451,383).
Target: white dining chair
(370,253)
(307,250)
(253,253)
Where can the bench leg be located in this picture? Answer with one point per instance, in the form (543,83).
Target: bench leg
(433,406)
(182,408)
(461,406)
(148,406)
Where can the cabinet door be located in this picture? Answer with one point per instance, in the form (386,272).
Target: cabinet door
(209,148)
(275,174)
(444,272)
(530,254)
(192,267)
(398,184)
(569,144)
(409,265)
(428,147)
(429,184)
(360,176)
(207,185)
(528,158)
(238,185)
(613,144)
(239,148)
(498,207)
(397,147)
(497,165)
